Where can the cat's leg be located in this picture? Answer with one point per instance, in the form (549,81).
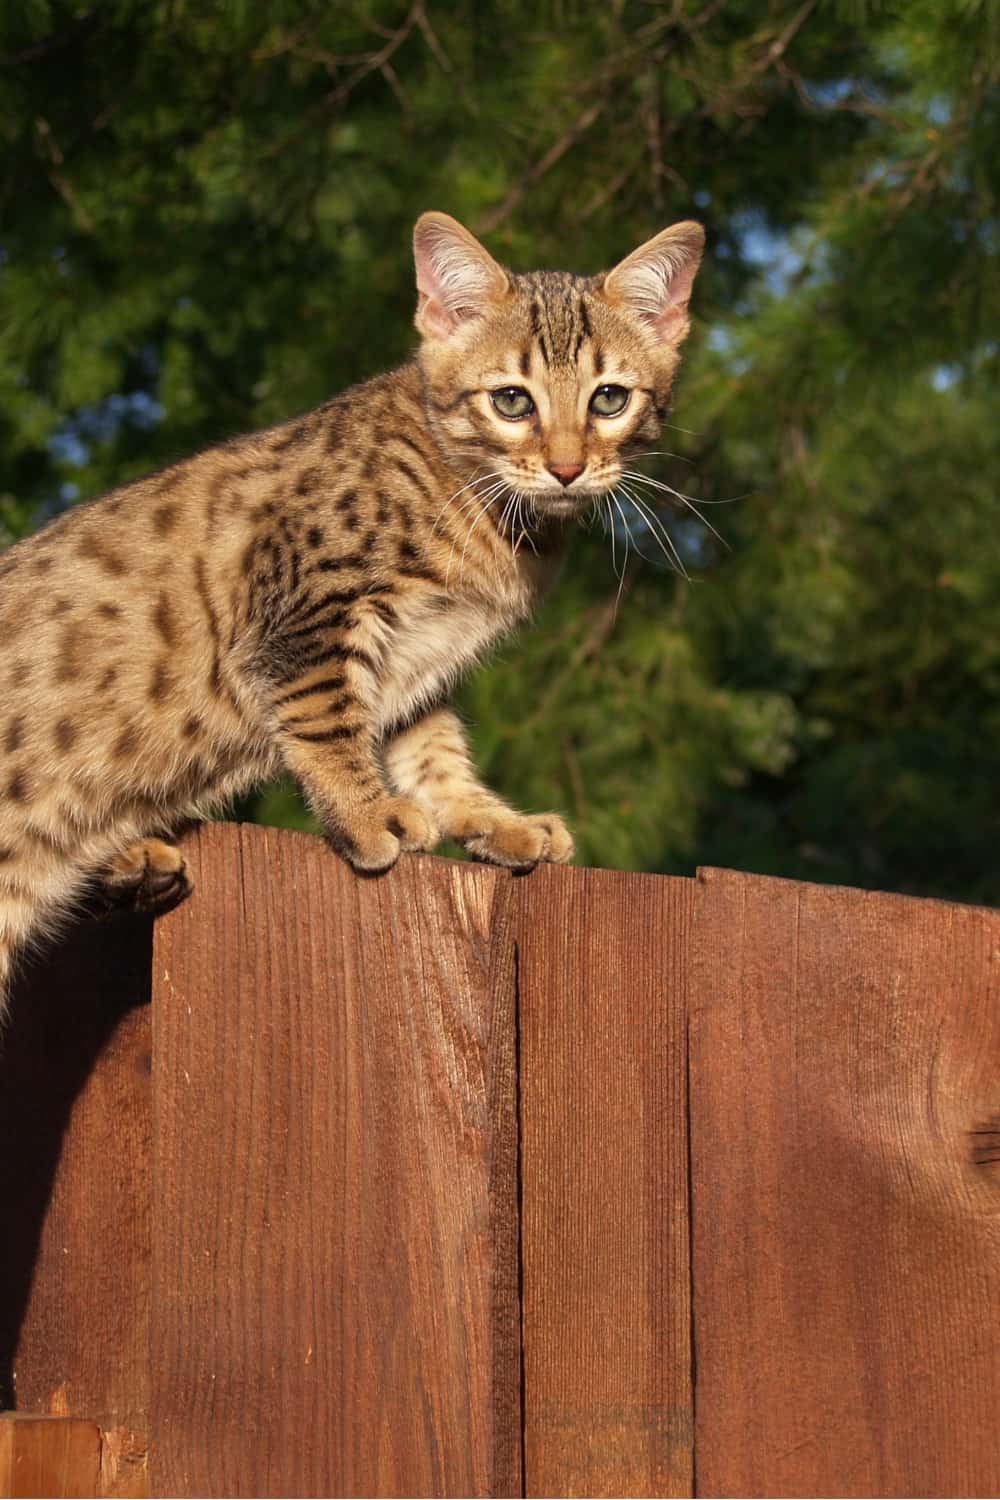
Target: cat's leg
(148,876)
(6,968)
(19,903)
(328,741)
(430,762)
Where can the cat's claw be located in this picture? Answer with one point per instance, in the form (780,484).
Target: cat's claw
(522,841)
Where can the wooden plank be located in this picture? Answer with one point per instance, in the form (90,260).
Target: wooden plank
(48,1456)
(601,968)
(74,1181)
(335,1247)
(845,1048)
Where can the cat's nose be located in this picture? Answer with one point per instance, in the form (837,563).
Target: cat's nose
(566,473)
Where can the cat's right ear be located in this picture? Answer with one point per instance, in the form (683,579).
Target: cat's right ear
(456,277)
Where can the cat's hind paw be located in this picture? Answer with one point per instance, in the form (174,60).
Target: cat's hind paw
(522,841)
(150,876)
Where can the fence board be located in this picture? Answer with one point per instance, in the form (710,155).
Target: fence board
(601,965)
(353,1084)
(335,1247)
(48,1456)
(846,1242)
(74,1182)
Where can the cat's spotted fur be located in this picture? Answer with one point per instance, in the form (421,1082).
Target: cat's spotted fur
(303,599)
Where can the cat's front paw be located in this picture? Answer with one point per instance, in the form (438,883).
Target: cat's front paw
(521,841)
(372,838)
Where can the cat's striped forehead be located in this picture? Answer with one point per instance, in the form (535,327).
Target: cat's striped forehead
(559,319)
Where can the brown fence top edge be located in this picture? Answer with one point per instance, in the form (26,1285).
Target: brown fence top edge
(262,831)
(704,874)
(711,874)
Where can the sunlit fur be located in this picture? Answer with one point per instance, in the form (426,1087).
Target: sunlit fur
(304,599)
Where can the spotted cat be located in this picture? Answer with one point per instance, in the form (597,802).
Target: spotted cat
(304,599)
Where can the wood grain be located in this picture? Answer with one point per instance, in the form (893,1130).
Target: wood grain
(48,1456)
(601,970)
(394,1122)
(844,1048)
(75,1182)
(335,1243)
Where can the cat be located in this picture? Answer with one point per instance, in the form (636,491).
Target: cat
(303,599)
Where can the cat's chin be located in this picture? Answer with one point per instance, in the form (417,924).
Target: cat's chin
(560,507)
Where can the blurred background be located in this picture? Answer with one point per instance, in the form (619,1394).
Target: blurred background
(205,217)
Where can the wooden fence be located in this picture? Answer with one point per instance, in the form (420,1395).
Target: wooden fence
(454,1183)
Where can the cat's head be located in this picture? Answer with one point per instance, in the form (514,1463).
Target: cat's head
(546,382)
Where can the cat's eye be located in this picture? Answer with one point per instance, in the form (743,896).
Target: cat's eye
(609,400)
(513,402)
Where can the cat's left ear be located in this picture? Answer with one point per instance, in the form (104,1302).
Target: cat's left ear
(456,277)
(655,281)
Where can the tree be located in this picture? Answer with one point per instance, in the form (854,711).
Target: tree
(206,216)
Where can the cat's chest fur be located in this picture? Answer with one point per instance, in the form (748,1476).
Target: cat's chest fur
(434,642)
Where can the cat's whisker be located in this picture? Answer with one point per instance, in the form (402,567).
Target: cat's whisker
(658,531)
(628,538)
(468,504)
(696,500)
(492,496)
(733,500)
(611,529)
(470,483)
(504,528)
(471,501)
(654,520)
(532,523)
(525,525)
(477,498)
(586,519)
(662,453)
(685,500)
(627,494)
(506,513)
(658,483)
(517,522)
(494,490)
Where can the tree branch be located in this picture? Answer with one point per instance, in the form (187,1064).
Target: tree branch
(544,164)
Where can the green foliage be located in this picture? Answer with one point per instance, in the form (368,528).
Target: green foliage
(206,212)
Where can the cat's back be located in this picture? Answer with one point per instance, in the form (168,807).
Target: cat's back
(157,531)
(107,607)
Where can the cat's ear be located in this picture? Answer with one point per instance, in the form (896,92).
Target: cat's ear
(655,281)
(456,277)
